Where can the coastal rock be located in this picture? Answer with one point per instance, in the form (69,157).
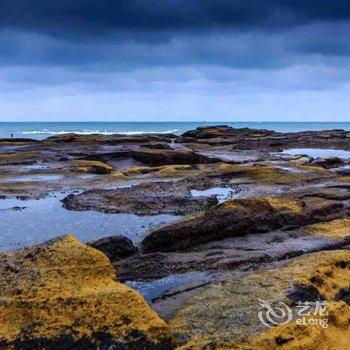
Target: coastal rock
(334,229)
(64,295)
(115,247)
(24,157)
(156,157)
(219,131)
(301,160)
(112,139)
(236,255)
(203,273)
(331,162)
(92,167)
(345,170)
(161,171)
(17,141)
(144,199)
(225,315)
(245,138)
(237,218)
(157,146)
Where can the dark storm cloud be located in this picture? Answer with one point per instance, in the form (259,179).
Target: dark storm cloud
(210,50)
(69,17)
(232,49)
(128,34)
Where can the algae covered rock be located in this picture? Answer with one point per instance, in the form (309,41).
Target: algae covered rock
(92,167)
(143,199)
(229,315)
(237,218)
(64,295)
(334,229)
(158,157)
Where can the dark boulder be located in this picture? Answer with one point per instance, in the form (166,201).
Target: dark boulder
(329,162)
(157,157)
(115,247)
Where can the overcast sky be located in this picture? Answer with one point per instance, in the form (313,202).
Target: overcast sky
(174,60)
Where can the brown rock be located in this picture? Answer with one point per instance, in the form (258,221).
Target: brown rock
(156,157)
(115,247)
(236,218)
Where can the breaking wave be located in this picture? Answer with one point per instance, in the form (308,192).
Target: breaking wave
(100,132)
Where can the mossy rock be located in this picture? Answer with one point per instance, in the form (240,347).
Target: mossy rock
(92,167)
(225,315)
(64,295)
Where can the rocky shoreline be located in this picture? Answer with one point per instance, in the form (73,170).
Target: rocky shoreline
(256,219)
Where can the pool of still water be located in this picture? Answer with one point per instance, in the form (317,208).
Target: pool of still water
(35,221)
(153,289)
(222,193)
(318,152)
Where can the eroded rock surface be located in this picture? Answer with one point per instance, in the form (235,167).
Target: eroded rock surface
(64,295)
(143,199)
(258,222)
(238,218)
(225,315)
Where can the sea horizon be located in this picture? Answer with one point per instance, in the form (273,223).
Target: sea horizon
(42,130)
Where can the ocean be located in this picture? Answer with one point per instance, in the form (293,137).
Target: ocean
(42,130)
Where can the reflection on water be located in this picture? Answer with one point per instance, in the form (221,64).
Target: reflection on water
(290,169)
(33,178)
(318,152)
(154,289)
(125,163)
(45,218)
(222,193)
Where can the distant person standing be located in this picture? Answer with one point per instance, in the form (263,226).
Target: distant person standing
(11,135)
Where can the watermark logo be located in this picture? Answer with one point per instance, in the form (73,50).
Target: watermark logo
(305,313)
(273,315)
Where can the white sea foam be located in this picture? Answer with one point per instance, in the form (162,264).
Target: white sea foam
(100,132)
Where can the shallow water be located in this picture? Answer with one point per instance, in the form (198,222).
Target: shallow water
(9,149)
(232,156)
(33,178)
(290,169)
(38,166)
(344,169)
(318,152)
(222,193)
(45,218)
(124,163)
(153,289)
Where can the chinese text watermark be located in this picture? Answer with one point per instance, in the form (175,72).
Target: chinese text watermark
(305,313)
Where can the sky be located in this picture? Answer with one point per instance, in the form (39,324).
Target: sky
(174,60)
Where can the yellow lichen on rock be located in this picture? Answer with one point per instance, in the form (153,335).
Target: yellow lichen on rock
(91,167)
(265,174)
(275,203)
(309,337)
(329,274)
(161,171)
(225,315)
(285,205)
(175,171)
(64,293)
(345,179)
(339,228)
